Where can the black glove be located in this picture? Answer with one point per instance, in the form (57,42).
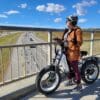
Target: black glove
(59,41)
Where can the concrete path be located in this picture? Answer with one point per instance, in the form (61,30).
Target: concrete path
(90,92)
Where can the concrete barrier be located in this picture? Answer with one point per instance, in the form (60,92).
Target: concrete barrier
(18,89)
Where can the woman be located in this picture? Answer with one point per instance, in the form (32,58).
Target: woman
(73,37)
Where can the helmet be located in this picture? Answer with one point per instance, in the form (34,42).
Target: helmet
(73,19)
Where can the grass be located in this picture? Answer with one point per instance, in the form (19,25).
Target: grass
(5,54)
(42,35)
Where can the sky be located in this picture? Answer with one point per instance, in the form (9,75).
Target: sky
(49,13)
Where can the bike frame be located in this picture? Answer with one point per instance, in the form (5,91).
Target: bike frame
(58,57)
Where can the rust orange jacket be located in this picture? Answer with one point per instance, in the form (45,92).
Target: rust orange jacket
(73,51)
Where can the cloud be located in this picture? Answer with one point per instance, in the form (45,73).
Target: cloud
(3,16)
(41,8)
(57,20)
(81,6)
(82,20)
(51,8)
(23,6)
(12,12)
(99,11)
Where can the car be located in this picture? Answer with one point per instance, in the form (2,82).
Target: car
(31,39)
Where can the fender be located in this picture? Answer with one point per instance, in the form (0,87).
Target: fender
(87,63)
(45,68)
(91,58)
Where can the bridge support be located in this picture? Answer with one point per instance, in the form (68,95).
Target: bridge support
(91,43)
(50,47)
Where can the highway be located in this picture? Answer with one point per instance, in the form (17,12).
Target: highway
(26,60)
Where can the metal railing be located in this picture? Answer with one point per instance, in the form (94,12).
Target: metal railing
(25,60)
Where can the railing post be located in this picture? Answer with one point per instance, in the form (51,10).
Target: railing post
(91,43)
(50,47)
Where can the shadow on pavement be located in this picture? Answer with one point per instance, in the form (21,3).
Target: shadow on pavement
(93,89)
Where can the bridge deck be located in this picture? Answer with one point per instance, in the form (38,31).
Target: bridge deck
(90,92)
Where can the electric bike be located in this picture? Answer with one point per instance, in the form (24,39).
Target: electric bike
(50,77)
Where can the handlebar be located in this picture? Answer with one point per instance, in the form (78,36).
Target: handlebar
(61,42)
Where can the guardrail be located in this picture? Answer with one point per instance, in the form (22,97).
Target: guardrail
(25,60)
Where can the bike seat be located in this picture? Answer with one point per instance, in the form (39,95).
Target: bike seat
(83,53)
